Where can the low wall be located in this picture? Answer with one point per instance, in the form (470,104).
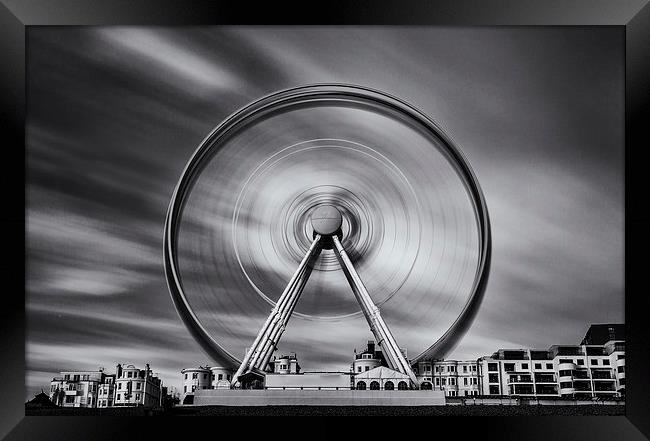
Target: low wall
(235,397)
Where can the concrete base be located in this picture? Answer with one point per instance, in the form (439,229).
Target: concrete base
(234,397)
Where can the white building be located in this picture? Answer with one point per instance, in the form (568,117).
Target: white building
(196,378)
(581,371)
(137,387)
(76,388)
(106,392)
(220,377)
(455,378)
(381,378)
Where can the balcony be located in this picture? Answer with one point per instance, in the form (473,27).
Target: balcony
(546,389)
(567,366)
(544,378)
(519,379)
(581,375)
(602,375)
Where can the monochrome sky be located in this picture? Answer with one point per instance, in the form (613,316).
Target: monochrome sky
(115,112)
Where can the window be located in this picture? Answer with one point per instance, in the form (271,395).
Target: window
(361,385)
(66,377)
(494,390)
(283,366)
(465,381)
(473,368)
(186,376)
(538,365)
(437,368)
(194,376)
(621,369)
(118,397)
(119,385)
(193,387)
(524,365)
(493,367)
(620,357)
(464,368)
(389,385)
(549,365)
(367,368)
(402,385)
(466,393)
(185,389)
(437,381)
(205,376)
(137,385)
(594,362)
(137,397)
(452,381)
(228,377)
(493,378)
(509,367)
(358,368)
(129,374)
(428,368)
(474,380)
(444,381)
(76,378)
(581,362)
(606,362)
(69,399)
(622,381)
(220,377)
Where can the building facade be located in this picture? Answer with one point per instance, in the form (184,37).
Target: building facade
(137,387)
(196,378)
(455,378)
(106,392)
(76,388)
(128,387)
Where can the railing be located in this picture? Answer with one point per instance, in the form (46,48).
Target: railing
(596,375)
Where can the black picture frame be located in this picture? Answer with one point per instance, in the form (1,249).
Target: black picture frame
(632,15)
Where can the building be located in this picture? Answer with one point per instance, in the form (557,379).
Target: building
(128,387)
(381,378)
(370,358)
(137,387)
(601,334)
(76,388)
(455,378)
(106,392)
(220,377)
(582,371)
(196,378)
(285,364)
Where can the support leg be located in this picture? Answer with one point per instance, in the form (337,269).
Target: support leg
(380,330)
(269,334)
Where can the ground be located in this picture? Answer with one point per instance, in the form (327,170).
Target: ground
(492,410)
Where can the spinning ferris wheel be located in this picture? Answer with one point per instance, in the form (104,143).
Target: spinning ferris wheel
(327,203)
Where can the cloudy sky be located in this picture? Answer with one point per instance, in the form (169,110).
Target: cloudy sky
(114,113)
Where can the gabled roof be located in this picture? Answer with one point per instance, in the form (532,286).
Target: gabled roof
(381,372)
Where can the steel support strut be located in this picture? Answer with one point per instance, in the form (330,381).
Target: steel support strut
(257,357)
(385,339)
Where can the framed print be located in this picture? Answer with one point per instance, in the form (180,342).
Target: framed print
(381,209)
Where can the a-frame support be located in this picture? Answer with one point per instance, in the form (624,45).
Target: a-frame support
(327,222)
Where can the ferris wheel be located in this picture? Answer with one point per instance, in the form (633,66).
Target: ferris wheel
(348,188)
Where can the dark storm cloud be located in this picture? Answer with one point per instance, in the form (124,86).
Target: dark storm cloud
(114,113)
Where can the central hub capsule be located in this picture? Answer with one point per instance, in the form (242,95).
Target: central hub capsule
(326,220)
